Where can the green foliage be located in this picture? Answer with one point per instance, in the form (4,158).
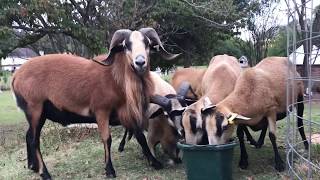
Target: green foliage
(192,28)
(278,46)
(229,47)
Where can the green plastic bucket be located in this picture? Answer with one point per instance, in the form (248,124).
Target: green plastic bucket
(208,162)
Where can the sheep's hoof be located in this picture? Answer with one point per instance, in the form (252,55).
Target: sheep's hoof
(111,174)
(34,168)
(157,165)
(252,142)
(243,164)
(280,166)
(306,145)
(258,145)
(120,149)
(45,176)
(177,160)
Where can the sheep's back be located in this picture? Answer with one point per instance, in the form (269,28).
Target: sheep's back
(192,75)
(220,78)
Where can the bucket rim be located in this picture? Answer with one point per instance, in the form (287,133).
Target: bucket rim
(184,146)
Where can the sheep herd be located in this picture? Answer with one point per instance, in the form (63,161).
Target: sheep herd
(200,106)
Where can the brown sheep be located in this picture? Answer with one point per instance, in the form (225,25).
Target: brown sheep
(260,92)
(161,125)
(191,75)
(218,81)
(69,89)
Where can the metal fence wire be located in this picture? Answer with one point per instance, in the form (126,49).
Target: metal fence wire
(303,42)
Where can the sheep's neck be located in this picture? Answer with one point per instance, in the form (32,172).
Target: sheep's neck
(136,89)
(238,104)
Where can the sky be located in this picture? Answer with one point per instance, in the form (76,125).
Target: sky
(281,14)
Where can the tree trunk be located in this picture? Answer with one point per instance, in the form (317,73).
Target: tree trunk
(304,35)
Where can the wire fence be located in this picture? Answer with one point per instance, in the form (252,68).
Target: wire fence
(304,53)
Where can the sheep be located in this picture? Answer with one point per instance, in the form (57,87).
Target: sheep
(259,93)
(162,128)
(68,89)
(218,81)
(191,75)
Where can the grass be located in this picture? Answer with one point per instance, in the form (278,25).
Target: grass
(9,113)
(77,153)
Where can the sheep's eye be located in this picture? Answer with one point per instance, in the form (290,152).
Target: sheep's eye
(225,127)
(127,45)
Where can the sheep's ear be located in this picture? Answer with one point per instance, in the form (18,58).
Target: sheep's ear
(110,56)
(208,109)
(177,112)
(233,117)
(157,113)
(189,101)
(116,44)
(208,106)
(156,44)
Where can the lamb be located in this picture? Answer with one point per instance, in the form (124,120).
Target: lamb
(218,81)
(191,75)
(68,89)
(260,92)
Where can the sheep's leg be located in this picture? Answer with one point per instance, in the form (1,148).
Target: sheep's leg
(145,149)
(123,141)
(249,137)
(300,109)
(151,142)
(31,160)
(261,138)
(279,164)
(36,121)
(103,127)
(243,163)
(170,148)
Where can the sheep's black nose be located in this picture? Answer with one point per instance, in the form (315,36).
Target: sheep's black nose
(140,60)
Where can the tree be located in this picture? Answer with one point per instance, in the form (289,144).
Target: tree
(278,45)
(316,28)
(304,30)
(85,27)
(263,28)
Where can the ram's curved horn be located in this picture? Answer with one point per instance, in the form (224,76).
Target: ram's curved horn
(155,41)
(116,45)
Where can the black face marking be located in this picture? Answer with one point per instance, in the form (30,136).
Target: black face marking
(129,46)
(157,113)
(175,113)
(168,108)
(203,123)
(128,43)
(219,120)
(207,111)
(204,139)
(146,41)
(225,127)
(193,124)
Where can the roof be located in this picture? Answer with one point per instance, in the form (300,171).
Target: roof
(23,53)
(299,56)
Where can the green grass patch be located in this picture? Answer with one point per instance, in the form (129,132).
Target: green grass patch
(9,112)
(77,153)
